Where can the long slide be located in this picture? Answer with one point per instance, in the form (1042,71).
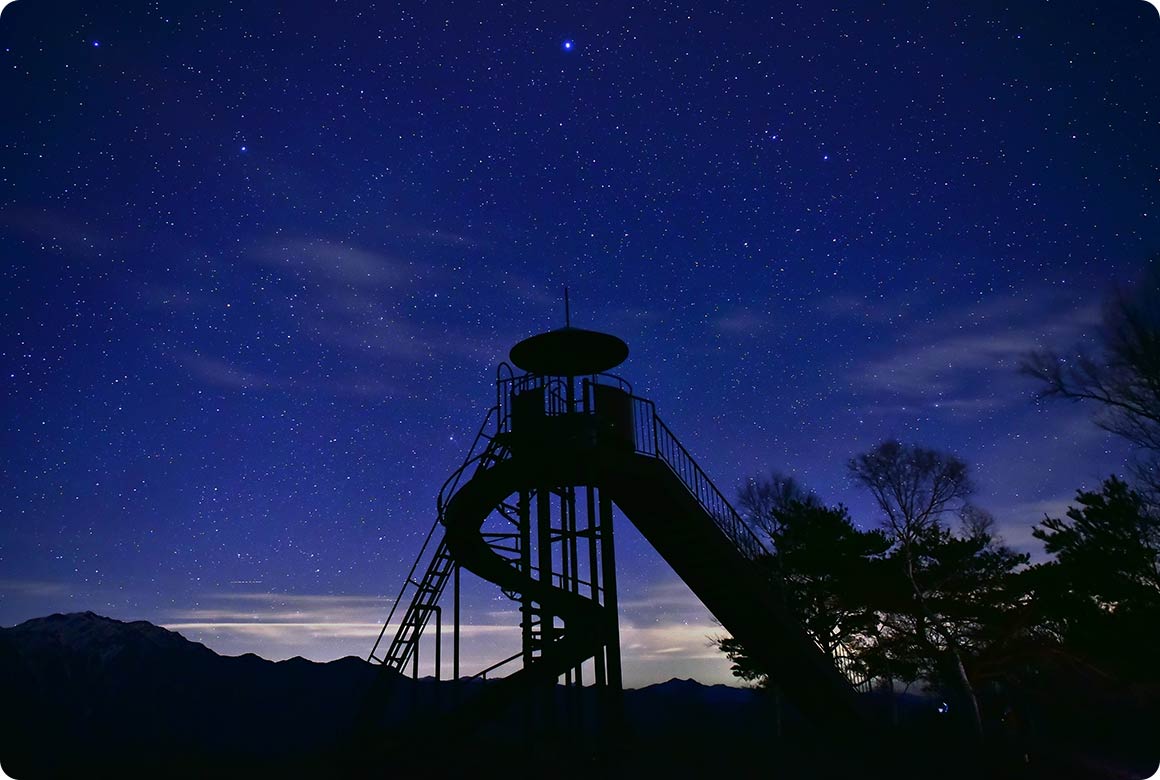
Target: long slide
(662,491)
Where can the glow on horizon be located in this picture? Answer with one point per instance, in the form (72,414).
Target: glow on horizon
(648,655)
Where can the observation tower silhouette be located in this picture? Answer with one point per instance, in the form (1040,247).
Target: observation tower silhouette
(531,509)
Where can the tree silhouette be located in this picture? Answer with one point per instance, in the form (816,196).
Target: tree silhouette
(906,602)
(968,610)
(915,488)
(826,563)
(765,502)
(1100,596)
(1122,378)
(823,564)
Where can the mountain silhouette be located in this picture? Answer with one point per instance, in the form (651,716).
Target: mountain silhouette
(83,691)
(83,695)
(86,695)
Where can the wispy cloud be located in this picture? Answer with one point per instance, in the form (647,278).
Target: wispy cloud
(743,322)
(34,588)
(289,632)
(321,627)
(378,311)
(1019,520)
(59,233)
(672,640)
(333,262)
(668,602)
(305,608)
(967,359)
(941,365)
(849,306)
(222,374)
(689,641)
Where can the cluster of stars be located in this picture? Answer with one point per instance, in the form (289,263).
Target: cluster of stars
(259,268)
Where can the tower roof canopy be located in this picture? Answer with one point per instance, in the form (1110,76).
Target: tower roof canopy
(569,352)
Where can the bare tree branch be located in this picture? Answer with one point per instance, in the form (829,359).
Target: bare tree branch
(1123,379)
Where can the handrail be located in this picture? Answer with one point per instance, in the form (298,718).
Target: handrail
(670,450)
(453,480)
(561,577)
(410,580)
(556,393)
(651,437)
(496,665)
(557,404)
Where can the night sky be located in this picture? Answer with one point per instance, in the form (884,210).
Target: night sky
(259,266)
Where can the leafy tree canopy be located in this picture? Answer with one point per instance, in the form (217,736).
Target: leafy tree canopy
(1108,547)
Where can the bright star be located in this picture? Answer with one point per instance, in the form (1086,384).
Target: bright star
(568,45)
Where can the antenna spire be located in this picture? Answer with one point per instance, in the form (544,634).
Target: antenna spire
(567,309)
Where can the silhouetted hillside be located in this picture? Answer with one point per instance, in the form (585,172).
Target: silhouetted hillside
(83,691)
(85,694)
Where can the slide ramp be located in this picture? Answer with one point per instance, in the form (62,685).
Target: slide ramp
(678,524)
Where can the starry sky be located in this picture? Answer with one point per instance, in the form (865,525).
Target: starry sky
(259,265)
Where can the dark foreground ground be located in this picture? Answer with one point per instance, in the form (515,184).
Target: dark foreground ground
(85,696)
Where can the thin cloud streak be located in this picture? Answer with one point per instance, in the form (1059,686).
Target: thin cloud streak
(222,374)
(650,654)
(35,588)
(332,263)
(663,634)
(743,322)
(968,360)
(60,233)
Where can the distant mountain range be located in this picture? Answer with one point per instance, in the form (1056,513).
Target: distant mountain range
(86,695)
(85,692)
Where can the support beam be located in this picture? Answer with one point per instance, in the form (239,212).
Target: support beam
(455,631)
(593,534)
(526,616)
(608,560)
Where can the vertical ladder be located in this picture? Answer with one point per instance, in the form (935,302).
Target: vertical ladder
(423,603)
(429,589)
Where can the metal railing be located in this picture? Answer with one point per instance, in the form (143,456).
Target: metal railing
(408,632)
(482,675)
(852,669)
(493,452)
(555,389)
(652,437)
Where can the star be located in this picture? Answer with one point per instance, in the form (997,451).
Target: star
(364,248)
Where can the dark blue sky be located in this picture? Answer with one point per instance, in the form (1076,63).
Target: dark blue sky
(259,265)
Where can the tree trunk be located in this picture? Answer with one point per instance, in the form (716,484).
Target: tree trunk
(960,672)
(968,692)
